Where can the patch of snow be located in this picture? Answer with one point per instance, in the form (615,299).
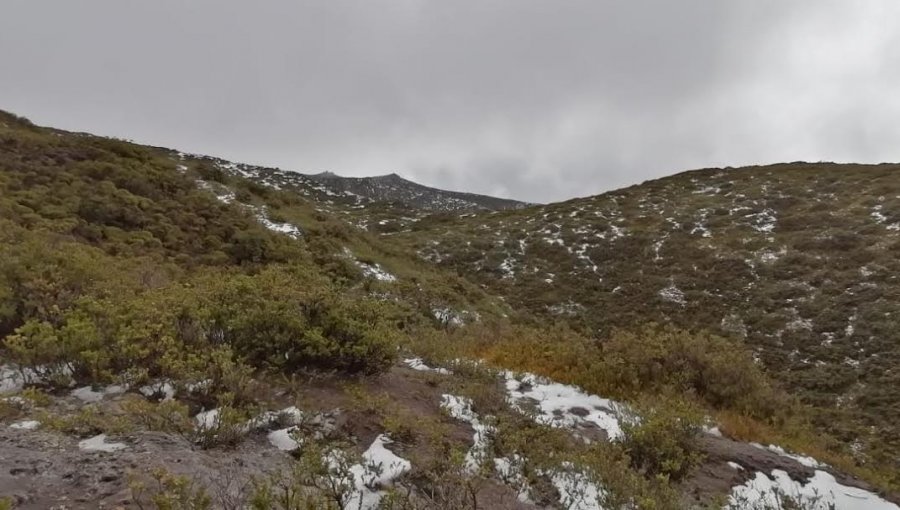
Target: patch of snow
(207,420)
(763,221)
(735,466)
(281,228)
(821,492)
(700,226)
(283,440)
(419,364)
(507,267)
(799,323)
(99,444)
(708,190)
(509,470)
(802,459)
(768,256)
(14,378)
(460,408)
(375,271)
(447,317)
(288,416)
(851,325)
(577,491)
(713,431)
(561,405)
(160,388)
(379,468)
(11,380)
(673,294)
(200,386)
(569,308)
(658,246)
(25,425)
(88,395)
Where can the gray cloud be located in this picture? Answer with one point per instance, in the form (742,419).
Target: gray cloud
(528,99)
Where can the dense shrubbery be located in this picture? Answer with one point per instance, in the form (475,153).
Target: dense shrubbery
(651,360)
(718,371)
(114,264)
(274,319)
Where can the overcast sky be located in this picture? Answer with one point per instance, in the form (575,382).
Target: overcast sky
(535,100)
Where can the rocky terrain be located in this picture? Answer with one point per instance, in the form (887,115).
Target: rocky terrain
(180,331)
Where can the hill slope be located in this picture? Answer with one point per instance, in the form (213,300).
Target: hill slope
(797,261)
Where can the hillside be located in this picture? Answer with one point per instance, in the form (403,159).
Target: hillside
(182,332)
(797,261)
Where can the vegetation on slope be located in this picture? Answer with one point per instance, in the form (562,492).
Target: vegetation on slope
(123,263)
(796,261)
(113,260)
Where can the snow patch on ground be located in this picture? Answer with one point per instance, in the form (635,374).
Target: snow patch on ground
(673,294)
(25,425)
(99,444)
(227,196)
(460,408)
(509,470)
(207,420)
(376,271)
(14,378)
(274,226)
(877,215)
(577,491)
(288,416)
(419,364)
(163,389)
(763,221)
(561,405)
(370,270)
(802,459)
(10,380)
(507,267)
(569,308)
(88,395)
(283,439)
(378,469)
(821,492)
(449,317)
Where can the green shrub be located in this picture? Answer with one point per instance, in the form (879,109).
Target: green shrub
(663,441)
(169,492)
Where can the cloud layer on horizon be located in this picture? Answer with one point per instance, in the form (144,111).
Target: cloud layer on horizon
(526,99)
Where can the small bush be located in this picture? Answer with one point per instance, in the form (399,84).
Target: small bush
(663,441)
(169,492)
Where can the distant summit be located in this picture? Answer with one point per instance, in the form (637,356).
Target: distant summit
(393,188)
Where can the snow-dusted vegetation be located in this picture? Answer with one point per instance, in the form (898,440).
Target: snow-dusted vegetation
(183,328)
